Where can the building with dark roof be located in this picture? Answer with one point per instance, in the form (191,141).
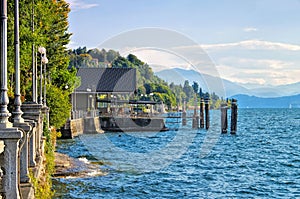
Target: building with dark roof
(107,80)
(96,81)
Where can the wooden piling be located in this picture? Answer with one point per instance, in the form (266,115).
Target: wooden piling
(233,127)
(202,113)
(206,101)
(184,114)
(195,116)
(224,120)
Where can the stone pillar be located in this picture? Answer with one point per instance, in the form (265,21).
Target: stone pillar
(10,162)
(32,147)
(45,111)
(31,143)
(32,111)
(24,156)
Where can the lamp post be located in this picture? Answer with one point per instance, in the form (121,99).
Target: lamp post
(34,68)
(45,61)
(91,105)
(17,103)
(42,51)
(4,113)
(88,99)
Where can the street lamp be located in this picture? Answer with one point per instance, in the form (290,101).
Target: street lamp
(17,103)
(42,51)
(88,99)
(45,61)
(4,113)
(34,67)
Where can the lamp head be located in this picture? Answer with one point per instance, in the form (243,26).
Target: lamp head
(42,50)
(45,60)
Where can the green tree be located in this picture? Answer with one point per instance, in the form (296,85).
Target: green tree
(201,93)
(96,54)
(188,90)
(121,62)
(195,87)
(134,60)
(179,94)
(111,55)
(50,31)
(60,101)
(81,50)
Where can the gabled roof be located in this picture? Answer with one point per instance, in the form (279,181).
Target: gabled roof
(107,80)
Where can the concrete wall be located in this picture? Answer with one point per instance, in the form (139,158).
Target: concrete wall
(80,126)
(84,101)
(92,125)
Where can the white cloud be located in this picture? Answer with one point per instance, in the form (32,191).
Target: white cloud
(79,5)
(247,63)
(250,29)
(160,60)
(253,45)
(263,72)
(256,61)
(250,61)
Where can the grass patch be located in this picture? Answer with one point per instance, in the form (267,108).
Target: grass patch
(43,185)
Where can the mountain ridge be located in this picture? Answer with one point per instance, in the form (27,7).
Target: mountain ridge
(207,82)
(246,101)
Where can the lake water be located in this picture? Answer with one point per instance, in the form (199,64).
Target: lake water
(261,161)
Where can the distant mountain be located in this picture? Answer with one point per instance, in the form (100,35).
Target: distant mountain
(274,91)
(207,82)
(178,76)
(246,101)
(290,89)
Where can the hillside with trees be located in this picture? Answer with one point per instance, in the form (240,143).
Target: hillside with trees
(82,57)
(150,86)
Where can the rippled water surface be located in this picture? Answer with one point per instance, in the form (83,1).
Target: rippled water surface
(261,161)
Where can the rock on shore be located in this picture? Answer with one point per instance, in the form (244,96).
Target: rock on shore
(66,166)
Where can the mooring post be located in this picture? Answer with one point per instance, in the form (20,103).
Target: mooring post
(197,121)
(234,113)
(202,113)
(195,116)
(206,101)
(184,114)
(224,120)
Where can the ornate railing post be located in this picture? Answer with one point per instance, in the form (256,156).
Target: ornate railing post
(10,162)
(24,159)
(32,111)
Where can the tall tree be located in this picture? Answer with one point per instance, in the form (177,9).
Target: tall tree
(188,90)
(50,31)
(111,55)
(195,87)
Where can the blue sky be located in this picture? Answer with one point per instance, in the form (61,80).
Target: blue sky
(249,41)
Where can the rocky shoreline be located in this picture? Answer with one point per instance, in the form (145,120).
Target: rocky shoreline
(66,167)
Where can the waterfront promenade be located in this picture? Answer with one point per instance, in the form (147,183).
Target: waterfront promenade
(21,129)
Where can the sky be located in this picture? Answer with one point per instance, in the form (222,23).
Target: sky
(251,42)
